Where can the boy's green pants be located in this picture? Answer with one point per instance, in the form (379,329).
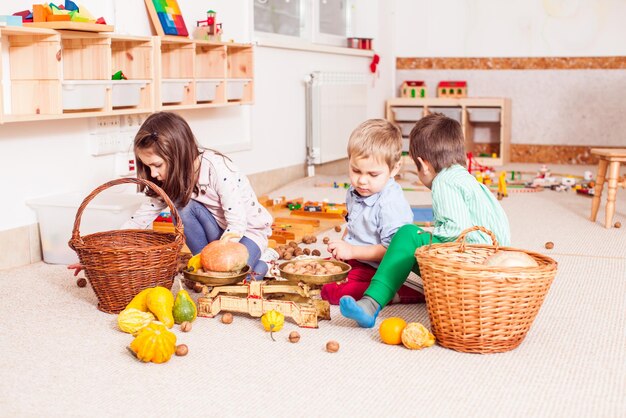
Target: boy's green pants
(397,263)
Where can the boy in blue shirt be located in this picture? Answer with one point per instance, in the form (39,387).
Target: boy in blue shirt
(376,208)
(459,202)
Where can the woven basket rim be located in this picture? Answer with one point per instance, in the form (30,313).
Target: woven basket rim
(424,253)
(86,246)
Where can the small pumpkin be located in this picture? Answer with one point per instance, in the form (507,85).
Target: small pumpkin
(184,307)
(132,320)
(139,301)
(224,256)
(194,263)
(273,321)
(154,343)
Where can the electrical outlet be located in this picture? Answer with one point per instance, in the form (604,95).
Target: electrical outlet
(125,164)
(104,137)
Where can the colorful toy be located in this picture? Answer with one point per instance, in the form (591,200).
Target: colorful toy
(452,89)
(360,43)
(413,89)
(502,192)
(166,17)
(209,29)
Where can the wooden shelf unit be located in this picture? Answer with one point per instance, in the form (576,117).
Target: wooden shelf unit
(50,74)
(486,122)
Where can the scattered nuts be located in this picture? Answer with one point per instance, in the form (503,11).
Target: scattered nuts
(325,240)
(294,337)
(306,251)
(292,244)
(227,318)
(316,252)
(82,282)
(337,228)
(182,350)
(618,224)
(332,346)
(197,288)
(185,326)
(549,245)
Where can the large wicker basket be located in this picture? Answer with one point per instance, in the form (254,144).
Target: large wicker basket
(119,264)
(476,308)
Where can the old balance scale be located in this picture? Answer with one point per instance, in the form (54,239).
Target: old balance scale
(296,297)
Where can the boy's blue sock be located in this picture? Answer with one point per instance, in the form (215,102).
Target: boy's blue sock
(364,312)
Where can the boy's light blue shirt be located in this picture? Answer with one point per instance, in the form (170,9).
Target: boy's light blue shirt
(461,202)
(375,219)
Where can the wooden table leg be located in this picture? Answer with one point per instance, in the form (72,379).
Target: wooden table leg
(595,204)
(610,199)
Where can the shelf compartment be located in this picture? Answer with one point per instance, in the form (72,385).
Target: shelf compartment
(86,58)
(451,112)
(407,114)
(209,91)
(128,93)
(174,91)
(240,61)
(238,89)
(84,94)
(483,114)
(210,60)
(406,127)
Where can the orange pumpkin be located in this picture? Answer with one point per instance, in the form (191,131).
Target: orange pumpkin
(224,256)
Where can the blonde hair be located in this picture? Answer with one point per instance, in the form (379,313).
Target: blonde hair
(378,139)
(439,140)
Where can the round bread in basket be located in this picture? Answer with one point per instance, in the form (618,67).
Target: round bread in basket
(315,279)
(477,308)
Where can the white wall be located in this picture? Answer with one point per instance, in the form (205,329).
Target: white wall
(512,28)
(46,158)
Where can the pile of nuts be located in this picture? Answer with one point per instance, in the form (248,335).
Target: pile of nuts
(312,267)
(292,249)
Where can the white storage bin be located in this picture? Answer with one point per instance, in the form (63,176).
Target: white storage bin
(410,114)
(56,215)
(235,88)
(405,144)
(173,90)
(206,90)
(451,112)
(483,114)
(406,127)
(84,94)
(127,93)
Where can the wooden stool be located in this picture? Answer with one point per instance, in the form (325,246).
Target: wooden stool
(611,158)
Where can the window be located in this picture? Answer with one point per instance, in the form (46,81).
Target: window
(317,21)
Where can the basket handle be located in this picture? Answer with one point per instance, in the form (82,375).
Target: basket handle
(178,227)
(464,234)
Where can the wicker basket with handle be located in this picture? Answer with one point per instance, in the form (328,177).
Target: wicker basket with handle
(121,263)
(477,308)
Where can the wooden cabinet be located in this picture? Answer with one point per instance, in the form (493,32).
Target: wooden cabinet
(486,123)
(48,74)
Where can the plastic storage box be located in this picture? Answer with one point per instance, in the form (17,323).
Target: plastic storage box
(451,112)
(406,127)
(173,90)
(84,94)
(56,215)
(206,90)
(410,114)
(127,93)
(483,114)
(235,88)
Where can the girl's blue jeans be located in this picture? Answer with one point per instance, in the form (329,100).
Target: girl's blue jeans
(202,228)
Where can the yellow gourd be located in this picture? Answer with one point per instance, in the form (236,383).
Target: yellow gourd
(139,301)
(194,263)
(132,320)
(154,343)
(160,301)
(273,321)
(415,336)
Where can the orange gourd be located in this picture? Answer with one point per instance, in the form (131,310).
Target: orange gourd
(154,343)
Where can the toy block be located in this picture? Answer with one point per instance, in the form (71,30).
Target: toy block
(278,239)
(287,235)
(313,222)
(11,20)
(321,215)
(272,243)
(58,18)
(40,12)
(70,5)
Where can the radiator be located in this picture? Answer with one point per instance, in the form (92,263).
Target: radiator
(335,104)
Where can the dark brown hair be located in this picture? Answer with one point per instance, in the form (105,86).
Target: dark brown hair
(439,140)
(170,137)
(378,139)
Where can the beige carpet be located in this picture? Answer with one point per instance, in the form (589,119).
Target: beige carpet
(62,357)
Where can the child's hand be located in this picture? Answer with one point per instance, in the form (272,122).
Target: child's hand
(341,250)
(76,267)
(230,236)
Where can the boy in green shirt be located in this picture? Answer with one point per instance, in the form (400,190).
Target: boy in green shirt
(459,202)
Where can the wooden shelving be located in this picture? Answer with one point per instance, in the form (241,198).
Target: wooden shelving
(48,74)
(486,122)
